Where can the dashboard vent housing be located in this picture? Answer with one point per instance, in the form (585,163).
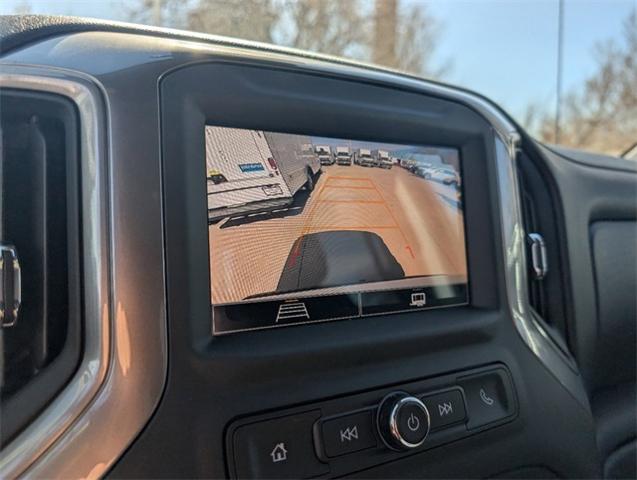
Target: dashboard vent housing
(40,349)
(545,288)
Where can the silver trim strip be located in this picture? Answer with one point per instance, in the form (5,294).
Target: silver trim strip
(122,373)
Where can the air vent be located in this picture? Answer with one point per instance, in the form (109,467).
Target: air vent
(40,345)
(545,285)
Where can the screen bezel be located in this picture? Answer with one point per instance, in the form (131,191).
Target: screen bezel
(257,96)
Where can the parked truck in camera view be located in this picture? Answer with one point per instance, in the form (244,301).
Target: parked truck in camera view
(365,158)
(383,159)
(343,156)
(252,170)
(325,155)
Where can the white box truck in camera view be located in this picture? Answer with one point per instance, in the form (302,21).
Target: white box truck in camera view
(343,156)
(251,170)
(384,161)
(324,153)
(365,158)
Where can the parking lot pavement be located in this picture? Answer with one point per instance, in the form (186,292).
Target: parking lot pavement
(418,220)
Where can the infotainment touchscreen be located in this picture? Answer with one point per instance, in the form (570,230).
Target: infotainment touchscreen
(309,229)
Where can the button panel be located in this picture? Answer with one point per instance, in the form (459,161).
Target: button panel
(339,436)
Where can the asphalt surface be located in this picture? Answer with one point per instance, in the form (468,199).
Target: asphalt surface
(418,220)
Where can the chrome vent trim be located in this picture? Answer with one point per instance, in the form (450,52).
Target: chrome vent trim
(67,440)
(516,269)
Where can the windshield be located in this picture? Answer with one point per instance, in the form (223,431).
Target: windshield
(566,70)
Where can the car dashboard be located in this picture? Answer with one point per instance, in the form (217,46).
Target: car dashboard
(231,315)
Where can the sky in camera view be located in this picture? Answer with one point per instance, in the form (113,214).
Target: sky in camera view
(504,49)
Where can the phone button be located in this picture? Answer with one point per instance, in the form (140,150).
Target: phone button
(489,396)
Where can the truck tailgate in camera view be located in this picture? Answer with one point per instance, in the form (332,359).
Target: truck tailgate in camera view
(298,239)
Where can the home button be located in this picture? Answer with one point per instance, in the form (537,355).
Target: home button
(278,448)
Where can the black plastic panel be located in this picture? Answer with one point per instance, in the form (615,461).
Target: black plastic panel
(614,248)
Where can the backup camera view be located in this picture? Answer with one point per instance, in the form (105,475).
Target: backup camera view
(305,228)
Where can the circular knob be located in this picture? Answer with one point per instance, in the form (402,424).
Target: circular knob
(403,421)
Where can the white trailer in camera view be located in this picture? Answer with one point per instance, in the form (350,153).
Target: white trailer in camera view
(249,171)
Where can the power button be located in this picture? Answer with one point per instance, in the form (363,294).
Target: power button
(403,421)
(413,422)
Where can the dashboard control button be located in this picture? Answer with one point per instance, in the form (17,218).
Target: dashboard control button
(348,433)
(445,408)
(278,448)
(489,397)
(403,421)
